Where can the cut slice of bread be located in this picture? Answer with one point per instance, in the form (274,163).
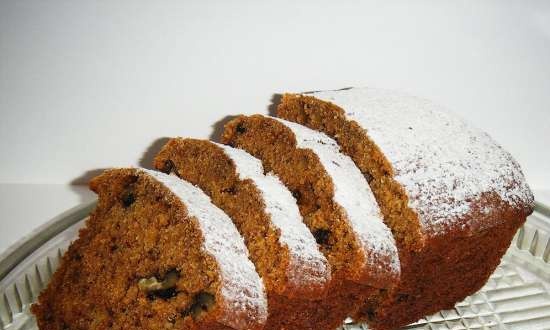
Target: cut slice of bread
(154,254)
(333,196)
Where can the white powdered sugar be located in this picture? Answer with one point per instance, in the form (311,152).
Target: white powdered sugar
(443,163)
(308,265)
(242,289)
(352,193)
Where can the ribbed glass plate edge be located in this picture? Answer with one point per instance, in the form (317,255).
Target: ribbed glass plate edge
(517,295)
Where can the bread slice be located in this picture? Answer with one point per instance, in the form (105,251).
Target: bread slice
(281,246)
(333,197)
(452,197)
(295,273)
(155,254)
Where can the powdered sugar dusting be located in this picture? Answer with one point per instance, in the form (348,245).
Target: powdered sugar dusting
(352,192)
(443,163)
(308,265)
(242,288)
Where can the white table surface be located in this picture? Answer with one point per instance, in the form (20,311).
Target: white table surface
(24,207)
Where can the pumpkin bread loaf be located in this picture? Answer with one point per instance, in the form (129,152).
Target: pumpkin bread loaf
(155,254)
(295,273)
(335,201)
(357,202)
(452,197)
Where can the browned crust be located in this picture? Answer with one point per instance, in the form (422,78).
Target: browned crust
(320,314)
(446,272)
(126,239)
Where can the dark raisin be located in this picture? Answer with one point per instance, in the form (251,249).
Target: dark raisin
(368,177)
(168,166)
(321,236)
(231,190)
(128,198)
(369,312)
(402,297)
(172,318)
(162,294)
(154,253)
(202,302)
(131,180)
(240,128)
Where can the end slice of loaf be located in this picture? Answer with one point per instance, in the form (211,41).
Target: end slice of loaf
(452,196)
(155,253)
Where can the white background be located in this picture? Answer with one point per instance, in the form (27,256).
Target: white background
(86,85)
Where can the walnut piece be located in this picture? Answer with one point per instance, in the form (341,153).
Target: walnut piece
(152,284)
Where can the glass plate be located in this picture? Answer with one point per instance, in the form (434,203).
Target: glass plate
(517,296)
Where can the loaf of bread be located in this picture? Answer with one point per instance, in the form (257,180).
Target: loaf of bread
(357,202)
(452,197)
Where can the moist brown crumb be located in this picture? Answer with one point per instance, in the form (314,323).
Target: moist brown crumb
(138,264)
